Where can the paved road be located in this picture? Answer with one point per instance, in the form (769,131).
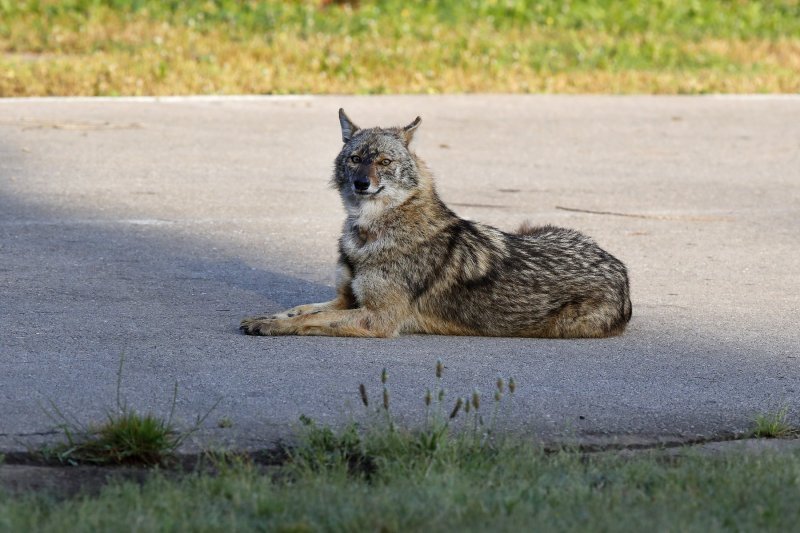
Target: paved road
(149,228)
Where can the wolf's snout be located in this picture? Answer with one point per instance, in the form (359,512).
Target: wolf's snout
(361,184)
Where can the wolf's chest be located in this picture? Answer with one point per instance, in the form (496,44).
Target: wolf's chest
(368,252)
(361,244)
(375,265)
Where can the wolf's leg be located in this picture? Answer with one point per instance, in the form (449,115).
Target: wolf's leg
(359,322)
(586,320)
(305,309)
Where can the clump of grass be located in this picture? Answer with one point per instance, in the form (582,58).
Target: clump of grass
(125,437)
(774,425)
(452,430)
(323,449)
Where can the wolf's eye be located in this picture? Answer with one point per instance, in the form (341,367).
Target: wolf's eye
(386,162)
(355,159)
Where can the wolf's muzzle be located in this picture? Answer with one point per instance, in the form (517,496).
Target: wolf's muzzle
(361,184)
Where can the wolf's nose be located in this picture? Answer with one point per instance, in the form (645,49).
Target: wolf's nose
(361,184)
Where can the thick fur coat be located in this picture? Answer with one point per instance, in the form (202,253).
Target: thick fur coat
(408,264)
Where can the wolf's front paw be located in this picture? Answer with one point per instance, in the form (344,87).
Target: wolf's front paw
(259,325)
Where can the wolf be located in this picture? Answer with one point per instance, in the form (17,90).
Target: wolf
(408,264)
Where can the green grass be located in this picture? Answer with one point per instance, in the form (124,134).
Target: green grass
(454,472)
(460,486)
(774,425)
(125,437)
(112,47)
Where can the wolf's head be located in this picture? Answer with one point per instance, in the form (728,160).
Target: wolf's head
(375,168)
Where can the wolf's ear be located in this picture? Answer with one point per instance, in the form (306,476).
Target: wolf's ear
(348,126)
(408,131)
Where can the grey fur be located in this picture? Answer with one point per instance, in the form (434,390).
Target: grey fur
(408,264)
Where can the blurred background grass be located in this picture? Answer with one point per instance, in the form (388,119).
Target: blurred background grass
(147,47)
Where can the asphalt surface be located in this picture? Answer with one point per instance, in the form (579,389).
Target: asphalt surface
(146,229)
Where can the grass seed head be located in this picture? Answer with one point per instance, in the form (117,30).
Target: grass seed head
(384,376)
(500,384)
(476,400)
(362,390)
(428,397)
(497,396)
(456,408)
(512,385)
(386,398)
(439,368)
(441,395)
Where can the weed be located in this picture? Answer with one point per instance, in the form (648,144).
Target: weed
(321,448)
(774,425)
(125,437)
(379,445)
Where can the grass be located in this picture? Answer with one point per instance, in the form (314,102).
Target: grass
(111,47)
(126,437)
(455,472)
(774,425)
(447,431)
(457,486)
